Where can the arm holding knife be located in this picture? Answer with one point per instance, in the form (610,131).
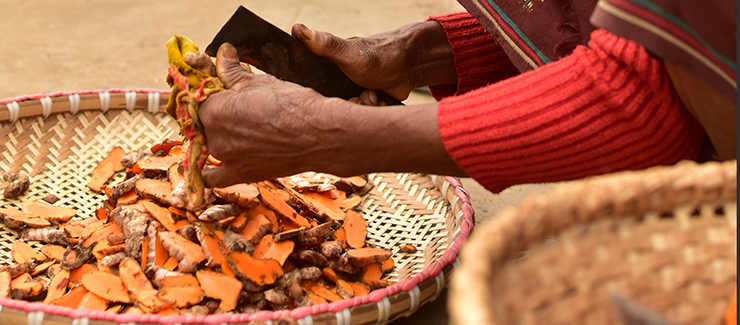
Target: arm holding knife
(605,107)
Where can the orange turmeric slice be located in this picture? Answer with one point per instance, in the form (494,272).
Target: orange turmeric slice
(93,301)
(106,169)
(23,252)
(364,256)
(106,285)
(246,196)
(259,271)
(268,248)
(52,213)
(355,228)
(270,197)
(220,286)
(189,254)
(57,286)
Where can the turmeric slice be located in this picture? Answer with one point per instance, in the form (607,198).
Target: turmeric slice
(256,228)
(269,213)
(319,204)
(355,228)
(23,252)
(211,245)
(161,163)
(270,198)
(106,169)
(15,219)
(93,302)
(344,289)
(106,285)
(183,280)
(256,270)
(75,275)
(156,190)
(162,214)
(327,294)
(222,287)
(71,299)
(246,196)
(188,254)
(364,256)
(269,249)
(57,286)
(52,213)
(184,297)
(5,283)
(360,288)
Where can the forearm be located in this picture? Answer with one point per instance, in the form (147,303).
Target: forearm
(429,56)
(599,110)
(366,139)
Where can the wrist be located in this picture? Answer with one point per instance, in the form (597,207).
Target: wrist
(366,139)
(430,58)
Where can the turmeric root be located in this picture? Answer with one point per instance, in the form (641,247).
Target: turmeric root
(18,184)
(133,223)
(47,235)
(218,212)
(186,252)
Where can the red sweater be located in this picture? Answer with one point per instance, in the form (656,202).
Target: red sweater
(604,108)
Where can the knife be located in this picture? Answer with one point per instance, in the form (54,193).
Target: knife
(273,51)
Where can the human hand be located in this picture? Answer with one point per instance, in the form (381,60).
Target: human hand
(395,62)
(259,127)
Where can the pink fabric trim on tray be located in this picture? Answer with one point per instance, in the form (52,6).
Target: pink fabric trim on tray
(375,296)
(82,92)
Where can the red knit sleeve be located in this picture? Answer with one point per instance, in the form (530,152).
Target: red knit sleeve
(604,108)
(479,60)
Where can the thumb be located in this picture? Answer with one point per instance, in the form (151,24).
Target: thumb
(321,43)
(228,67)
(216,178)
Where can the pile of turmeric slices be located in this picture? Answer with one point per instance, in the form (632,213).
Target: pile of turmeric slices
(271,245)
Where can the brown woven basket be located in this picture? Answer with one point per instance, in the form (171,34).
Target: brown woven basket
(57,139)
(665,237)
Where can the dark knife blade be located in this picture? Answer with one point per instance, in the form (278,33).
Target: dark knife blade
(273,51)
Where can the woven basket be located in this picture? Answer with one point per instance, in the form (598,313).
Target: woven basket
(57,139)
(665,237)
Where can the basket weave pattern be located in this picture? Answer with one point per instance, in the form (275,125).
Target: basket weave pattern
(58,139)
(665,237)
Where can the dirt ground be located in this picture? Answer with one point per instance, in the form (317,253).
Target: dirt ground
(48,46)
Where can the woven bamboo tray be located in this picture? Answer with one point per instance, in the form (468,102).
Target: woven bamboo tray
(57,139)
(665,237)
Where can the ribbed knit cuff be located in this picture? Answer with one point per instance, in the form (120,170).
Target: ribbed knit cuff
(602,109)
(479,60)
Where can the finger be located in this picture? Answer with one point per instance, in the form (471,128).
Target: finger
(321,43)
(369,97)
(228,67)
(200,61)
(217,178)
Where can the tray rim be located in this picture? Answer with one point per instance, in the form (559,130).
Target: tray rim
(437,273)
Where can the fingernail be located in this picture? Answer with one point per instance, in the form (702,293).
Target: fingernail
(227,50)
(307,32)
